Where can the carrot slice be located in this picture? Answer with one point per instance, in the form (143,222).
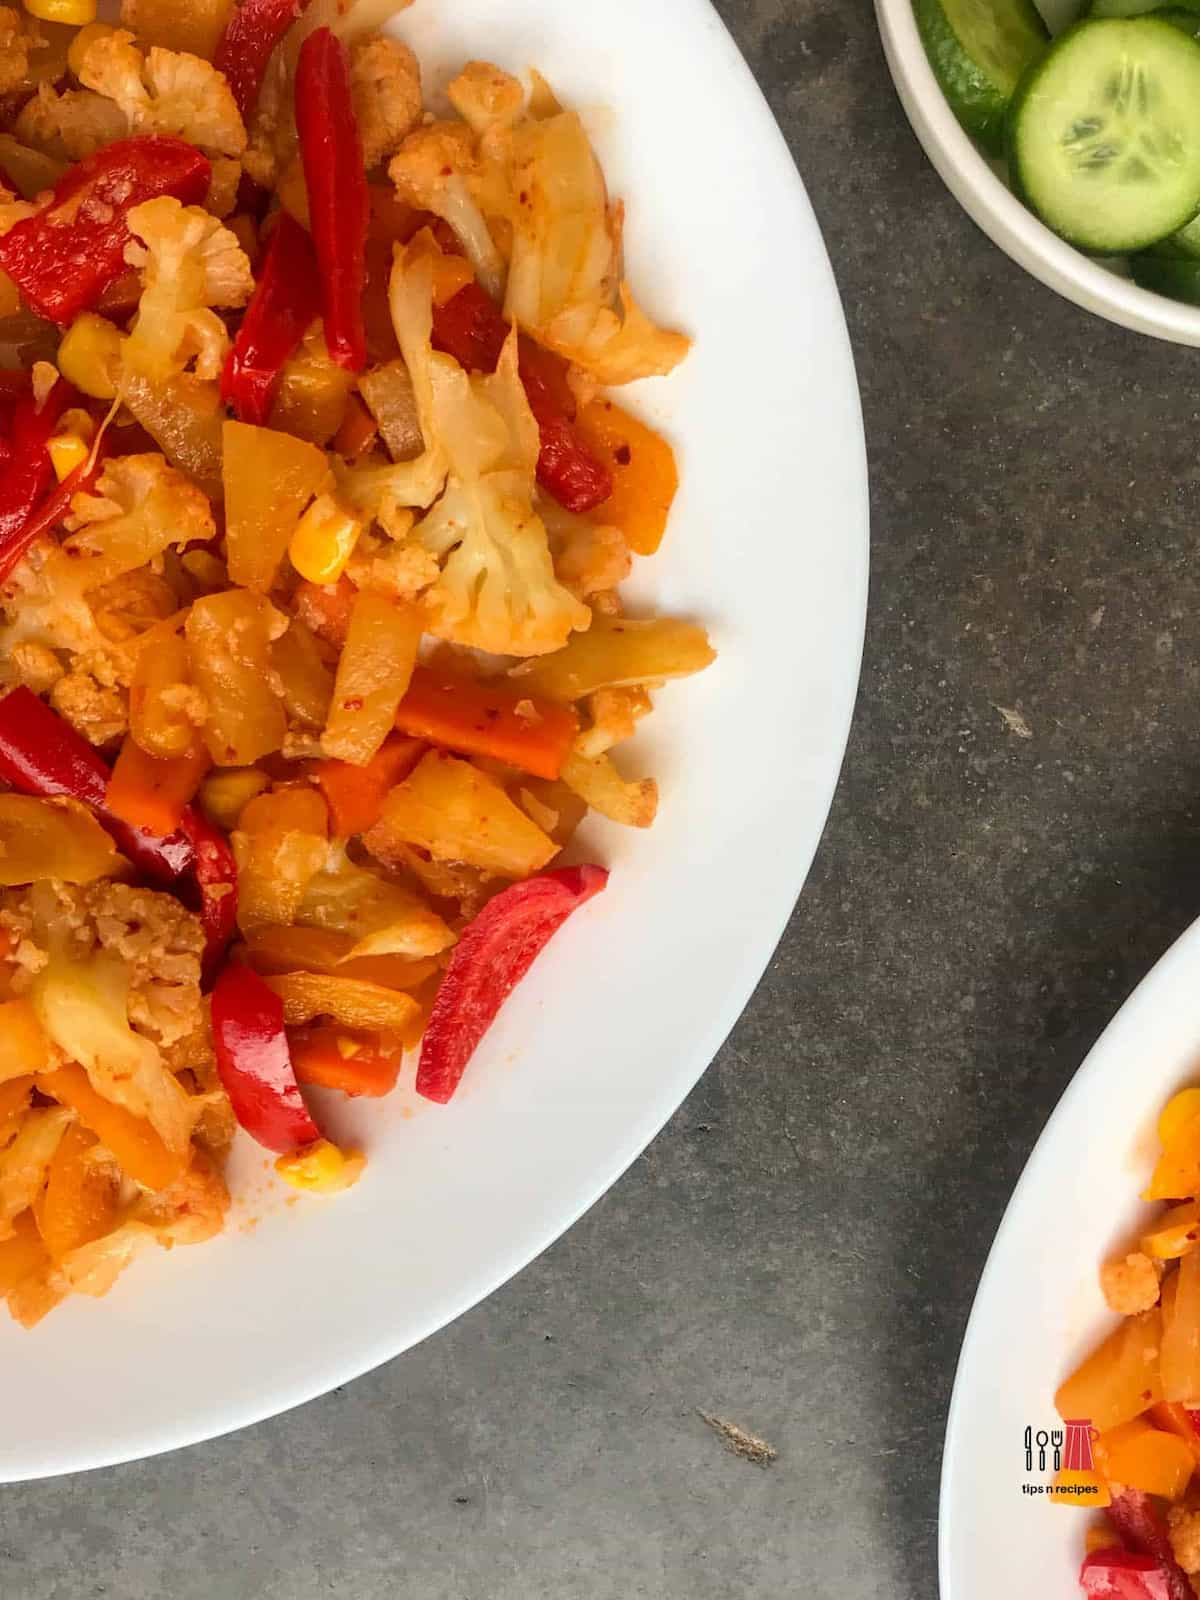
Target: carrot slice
(485,719)
(355,795)
(139,1150)
(357,431)
(333,1058)
(21,1254)
(148,792)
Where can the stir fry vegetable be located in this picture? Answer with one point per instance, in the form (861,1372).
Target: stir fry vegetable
(313,658)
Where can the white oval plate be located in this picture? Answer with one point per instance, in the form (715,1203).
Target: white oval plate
(1039,1310)
(768,544)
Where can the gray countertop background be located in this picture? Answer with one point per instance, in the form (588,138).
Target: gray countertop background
(798,1251)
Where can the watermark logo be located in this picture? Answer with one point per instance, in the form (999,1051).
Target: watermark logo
(1063,1458)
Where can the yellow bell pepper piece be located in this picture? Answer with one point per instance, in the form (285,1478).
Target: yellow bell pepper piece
(71,445)
(90,355)
(74,13)
(321,1168)
(324,540)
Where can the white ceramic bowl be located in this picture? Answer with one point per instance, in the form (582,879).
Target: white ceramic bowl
(987,199)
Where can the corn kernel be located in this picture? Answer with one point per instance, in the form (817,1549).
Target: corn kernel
(67,451)
(90,354)
(321,1168)
(83,40)
(75,13)
(225,794)
(324,540)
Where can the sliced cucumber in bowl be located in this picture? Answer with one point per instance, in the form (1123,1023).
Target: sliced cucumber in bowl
(1138,8)
(978,50)
(1178,277)
(1104,134)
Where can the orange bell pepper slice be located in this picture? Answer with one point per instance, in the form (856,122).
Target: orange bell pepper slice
(1172,1417)
(26,1047)
(14,1103)
(79,1202)
(1145,1457)
(335,1058)
(21,1254)
(1177,1172)
(149,792)
(1175,1233)
(645,477)
(139,1151)
(484,719)
(355,795)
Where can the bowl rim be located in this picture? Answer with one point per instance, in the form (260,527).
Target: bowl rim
(990,203)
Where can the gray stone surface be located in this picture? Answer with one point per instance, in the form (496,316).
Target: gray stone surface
(798,1251)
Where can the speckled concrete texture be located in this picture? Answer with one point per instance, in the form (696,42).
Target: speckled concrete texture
(1014,842)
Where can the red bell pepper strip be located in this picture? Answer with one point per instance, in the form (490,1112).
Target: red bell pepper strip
(25,484)
(255,1063)
(338,202)
(40,754)
(1118,1574)
(64,257)
(492,956)
(214,870)
(1133,1514)
(15,540)
(250,36)
(469,327)
(286,299)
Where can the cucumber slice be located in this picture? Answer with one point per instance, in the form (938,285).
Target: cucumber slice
(1178,277)
(1184,243)
(1104,134)
(1137,8)
(978,50)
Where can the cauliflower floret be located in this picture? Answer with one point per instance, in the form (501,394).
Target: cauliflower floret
(191,263)
(615,715)
(99,713)
(486,97)
(141,508)
(433,171)
(590,558)
(1183,1525)
(385,78)
(497,590)
(221,198)
(165,91)
(35,665)
(70,125)
(1131,1285)
(564,276)
(20,38)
